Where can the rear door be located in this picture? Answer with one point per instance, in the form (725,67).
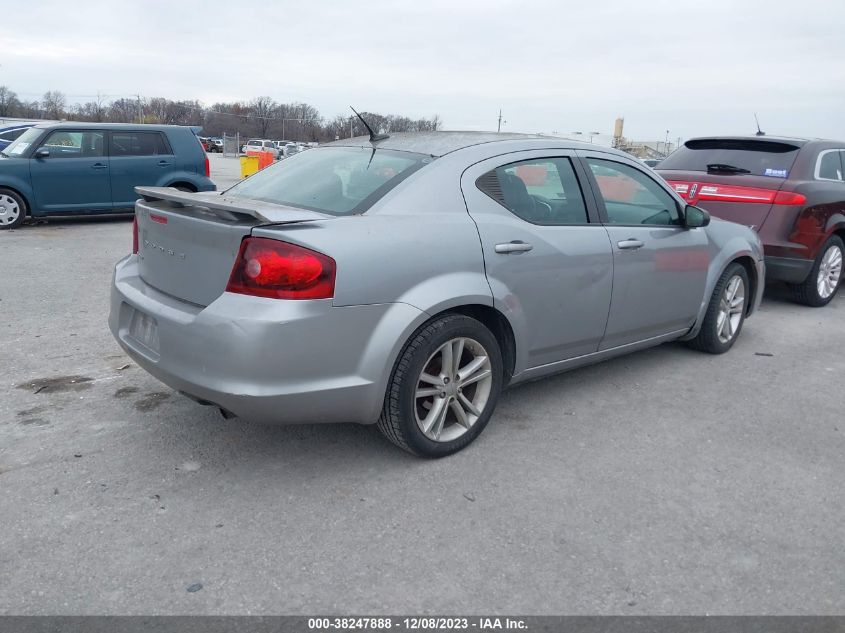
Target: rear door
(75,176)
(547,258)
(137,159)
(734,179)
(660,267)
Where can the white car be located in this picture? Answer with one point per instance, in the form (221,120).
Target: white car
(261,145)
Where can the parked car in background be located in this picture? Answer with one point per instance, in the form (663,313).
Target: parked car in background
(261,145)
(9,134)
(215,145)
(291,149)
(84,168)
(790,190)
(406,282)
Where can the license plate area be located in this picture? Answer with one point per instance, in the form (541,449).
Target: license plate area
(143,330)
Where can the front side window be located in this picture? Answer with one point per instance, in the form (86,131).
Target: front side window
(632,197)
(541,191)
(829,165)
(75,144)
(333,180)
(138,144)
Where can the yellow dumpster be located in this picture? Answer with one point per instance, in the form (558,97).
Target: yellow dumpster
(249,165)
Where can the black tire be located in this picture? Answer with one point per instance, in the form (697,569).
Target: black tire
(185,188)
(21,205)
(808,292)
(398,418)
(708,339)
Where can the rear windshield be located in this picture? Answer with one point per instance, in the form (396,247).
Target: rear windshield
(334,180)
(760,158)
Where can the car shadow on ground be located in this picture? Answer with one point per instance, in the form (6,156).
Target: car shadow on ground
(241,445)
(66,222)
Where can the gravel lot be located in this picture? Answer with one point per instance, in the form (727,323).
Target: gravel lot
(664,482)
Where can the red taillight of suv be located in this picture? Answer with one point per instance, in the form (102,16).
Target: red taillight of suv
(207,168)
(279,270)
(135,235)
(701,192)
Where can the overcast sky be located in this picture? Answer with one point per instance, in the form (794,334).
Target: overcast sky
(691,68)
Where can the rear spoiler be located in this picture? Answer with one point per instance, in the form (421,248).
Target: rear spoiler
(229,208)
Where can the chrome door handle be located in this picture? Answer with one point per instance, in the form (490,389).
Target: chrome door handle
(513,247)
(163,163)
(629,244)
(99,166)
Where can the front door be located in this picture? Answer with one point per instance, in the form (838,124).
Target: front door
(137,159)
(660,267)
(75,175)
(548,259)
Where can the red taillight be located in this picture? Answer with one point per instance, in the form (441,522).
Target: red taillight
(135,235)
(698,192)
(790,197)
(207,168)
(279,270)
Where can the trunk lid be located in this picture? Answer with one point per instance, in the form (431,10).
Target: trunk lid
(188,242)
(734,178)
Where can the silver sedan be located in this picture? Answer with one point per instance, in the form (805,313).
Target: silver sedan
(405,281)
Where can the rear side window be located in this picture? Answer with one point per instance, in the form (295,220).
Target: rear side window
(138,144)
(829,165)
(541,191)
(751,156)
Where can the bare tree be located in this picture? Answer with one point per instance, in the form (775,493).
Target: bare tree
(8,102)
(263,111)
(53,103)
(123,110)
(90,111)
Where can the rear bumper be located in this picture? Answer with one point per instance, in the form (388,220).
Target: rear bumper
(269,361)
(788,269)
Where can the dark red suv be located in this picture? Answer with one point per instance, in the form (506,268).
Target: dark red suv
(791,191)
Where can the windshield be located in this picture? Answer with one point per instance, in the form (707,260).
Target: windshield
(758,157)
(18,147)
(334,180)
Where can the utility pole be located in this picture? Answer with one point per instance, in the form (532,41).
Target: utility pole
(140,110)
(499,129)
(666,144)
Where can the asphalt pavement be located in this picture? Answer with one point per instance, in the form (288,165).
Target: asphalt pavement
(665,482)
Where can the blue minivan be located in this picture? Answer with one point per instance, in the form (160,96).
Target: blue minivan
(84,168)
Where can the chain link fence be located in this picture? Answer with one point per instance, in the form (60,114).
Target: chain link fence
(231,144)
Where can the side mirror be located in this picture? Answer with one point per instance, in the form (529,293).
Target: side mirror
(695,217)
(42,152)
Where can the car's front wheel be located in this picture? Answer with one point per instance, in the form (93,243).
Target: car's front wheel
(12,209)
(444,387)
(823,281)
(725,313)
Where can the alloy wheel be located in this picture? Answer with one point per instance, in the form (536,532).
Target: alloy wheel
(9,210)
(731,309)
(830,272)
(452,389)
